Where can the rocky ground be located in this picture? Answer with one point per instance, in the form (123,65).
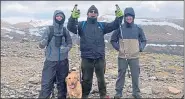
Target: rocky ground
(22,62)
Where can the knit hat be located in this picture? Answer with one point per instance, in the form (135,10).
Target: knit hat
(93,8)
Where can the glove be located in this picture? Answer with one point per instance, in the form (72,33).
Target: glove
(64,49)
(76,14)
(119,13)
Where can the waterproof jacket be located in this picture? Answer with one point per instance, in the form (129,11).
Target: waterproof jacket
(92,43)
(131,41)
(52,52)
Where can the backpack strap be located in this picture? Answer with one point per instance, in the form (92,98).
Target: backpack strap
(83,24)
(101,25)
(51,29)
(65,30)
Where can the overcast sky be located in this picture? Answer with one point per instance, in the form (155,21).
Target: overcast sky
(17,11)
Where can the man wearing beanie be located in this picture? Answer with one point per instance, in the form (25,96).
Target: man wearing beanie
(92,46)
(129,41)
(58,42)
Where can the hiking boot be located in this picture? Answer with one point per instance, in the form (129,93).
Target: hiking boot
(104,97)
(136,96)
(117,97)
(84,97)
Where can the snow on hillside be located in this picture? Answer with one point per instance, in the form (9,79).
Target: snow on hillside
(7,29)
(12,30)
(36,31)
(38,26)
(7,36)
(164,45)
(110,18)
(37,23)
(149,22)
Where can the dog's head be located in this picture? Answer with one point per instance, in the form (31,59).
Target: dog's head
(72,79)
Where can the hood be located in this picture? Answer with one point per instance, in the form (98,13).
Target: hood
(54,15)
(129,11)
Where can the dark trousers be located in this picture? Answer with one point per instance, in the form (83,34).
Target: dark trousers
(88,66)
(54,70)
(135,71)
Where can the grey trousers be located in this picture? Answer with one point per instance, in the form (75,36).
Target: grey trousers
(135,71)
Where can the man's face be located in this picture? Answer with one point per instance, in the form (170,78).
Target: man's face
(129,19)
(58,17)
(93,14)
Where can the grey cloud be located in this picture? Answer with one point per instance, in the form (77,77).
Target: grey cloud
(169,8)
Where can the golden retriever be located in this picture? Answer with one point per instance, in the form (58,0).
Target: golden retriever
(74,88)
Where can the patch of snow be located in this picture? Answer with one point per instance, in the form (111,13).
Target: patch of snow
(141,22)
(168,33)
(164,45)
(8,36)
(7,29)
(37,23)
(19,32)
(38,31)
(110,18)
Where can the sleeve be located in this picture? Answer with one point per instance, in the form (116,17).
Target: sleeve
(109,27)
(44,39)
(115,39)
(142,39)
(71,26)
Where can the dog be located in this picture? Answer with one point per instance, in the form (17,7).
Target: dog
(74,88)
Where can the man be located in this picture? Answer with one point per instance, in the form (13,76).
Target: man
(129,41)
(56,65)
(92,46)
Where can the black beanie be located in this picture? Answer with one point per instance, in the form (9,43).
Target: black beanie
(92,8)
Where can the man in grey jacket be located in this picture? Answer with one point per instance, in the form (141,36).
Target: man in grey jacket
(129,41)
(58,43)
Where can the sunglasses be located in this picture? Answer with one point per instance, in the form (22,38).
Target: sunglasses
(93,11)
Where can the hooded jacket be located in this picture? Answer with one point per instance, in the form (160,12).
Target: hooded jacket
(53,52)
(131,41)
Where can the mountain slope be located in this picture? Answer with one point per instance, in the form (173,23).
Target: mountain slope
(156,30)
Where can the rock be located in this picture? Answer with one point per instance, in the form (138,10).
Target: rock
(113,76)
(38,88)
(34,80)
(146,90)
(24,40)
(3,55)
(152,78)
(173,90)
(161,78)
(30,86)
(94,91)
(156,90)
(13,96)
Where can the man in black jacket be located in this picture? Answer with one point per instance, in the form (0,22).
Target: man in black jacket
(92,46)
